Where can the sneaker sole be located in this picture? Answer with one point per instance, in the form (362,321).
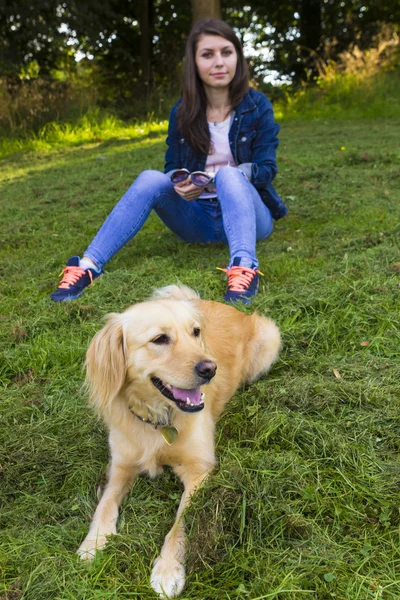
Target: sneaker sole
(68,298)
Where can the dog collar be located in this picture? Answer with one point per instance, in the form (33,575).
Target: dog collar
(169,433)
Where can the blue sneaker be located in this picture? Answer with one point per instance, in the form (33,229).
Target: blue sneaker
(242,282)
(75,280)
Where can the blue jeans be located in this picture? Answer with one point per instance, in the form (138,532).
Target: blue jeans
(238,219)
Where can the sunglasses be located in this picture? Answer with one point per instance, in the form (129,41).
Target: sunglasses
(199,178)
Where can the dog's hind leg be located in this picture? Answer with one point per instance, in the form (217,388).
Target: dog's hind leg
(262,349)
(168,575)
(105,518)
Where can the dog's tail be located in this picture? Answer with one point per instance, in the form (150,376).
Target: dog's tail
(175,292)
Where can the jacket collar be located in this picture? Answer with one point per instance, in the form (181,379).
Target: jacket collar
(246,105)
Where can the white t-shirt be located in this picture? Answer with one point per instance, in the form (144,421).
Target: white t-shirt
(221,155)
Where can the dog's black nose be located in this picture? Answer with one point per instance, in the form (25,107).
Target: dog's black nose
(206,369)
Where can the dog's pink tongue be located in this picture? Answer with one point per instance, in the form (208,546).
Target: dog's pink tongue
(181,394)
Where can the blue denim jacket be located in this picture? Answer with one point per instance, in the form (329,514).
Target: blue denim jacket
(253,141)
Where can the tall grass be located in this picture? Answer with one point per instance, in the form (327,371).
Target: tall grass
(357,85)
(346,96)
(94,127)
(30,102)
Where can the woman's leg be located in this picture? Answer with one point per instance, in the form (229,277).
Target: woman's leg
(128,216)
(245,217)
(152,189)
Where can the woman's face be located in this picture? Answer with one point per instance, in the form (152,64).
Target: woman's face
(216,60)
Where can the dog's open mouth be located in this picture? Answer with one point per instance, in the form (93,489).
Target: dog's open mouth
(185,400)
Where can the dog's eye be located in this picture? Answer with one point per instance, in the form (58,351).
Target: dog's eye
(196,332)
(161,339)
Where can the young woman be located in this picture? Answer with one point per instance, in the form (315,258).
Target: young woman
(219,165)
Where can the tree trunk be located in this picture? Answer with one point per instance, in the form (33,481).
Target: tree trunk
(310,33)
(206,9)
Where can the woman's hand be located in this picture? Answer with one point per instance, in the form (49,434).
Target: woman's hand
(187,190)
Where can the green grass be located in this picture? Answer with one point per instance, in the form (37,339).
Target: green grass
(344,96)
(93,127)
(305,500)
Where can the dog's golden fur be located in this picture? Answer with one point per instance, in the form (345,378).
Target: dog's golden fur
(178,339)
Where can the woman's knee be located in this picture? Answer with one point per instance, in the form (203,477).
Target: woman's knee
(232,187)
(230,178)
(153,177)
(150,183)
(227,173)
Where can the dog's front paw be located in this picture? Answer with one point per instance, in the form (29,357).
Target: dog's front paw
(90,546)
(168,577)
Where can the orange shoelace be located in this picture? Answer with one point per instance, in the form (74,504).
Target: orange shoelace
(240,278)
(71,276)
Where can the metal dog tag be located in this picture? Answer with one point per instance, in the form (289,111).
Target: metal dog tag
(170,434)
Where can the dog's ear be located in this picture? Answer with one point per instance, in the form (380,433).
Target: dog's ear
(106,363)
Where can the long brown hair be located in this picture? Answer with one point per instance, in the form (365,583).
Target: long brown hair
(191,116)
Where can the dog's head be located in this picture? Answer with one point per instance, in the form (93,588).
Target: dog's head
(153,353)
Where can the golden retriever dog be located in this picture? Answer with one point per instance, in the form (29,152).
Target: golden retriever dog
(160,375)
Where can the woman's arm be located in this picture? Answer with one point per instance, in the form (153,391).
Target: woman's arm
(185,189)
(262,168)
(172,154)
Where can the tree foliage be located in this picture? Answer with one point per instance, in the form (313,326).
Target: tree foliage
(294,35)
(29,30)
(298,34)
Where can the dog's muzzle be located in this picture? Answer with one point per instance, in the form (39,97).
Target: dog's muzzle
(188,400)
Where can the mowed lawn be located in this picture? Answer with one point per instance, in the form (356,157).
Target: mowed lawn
(305,500)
